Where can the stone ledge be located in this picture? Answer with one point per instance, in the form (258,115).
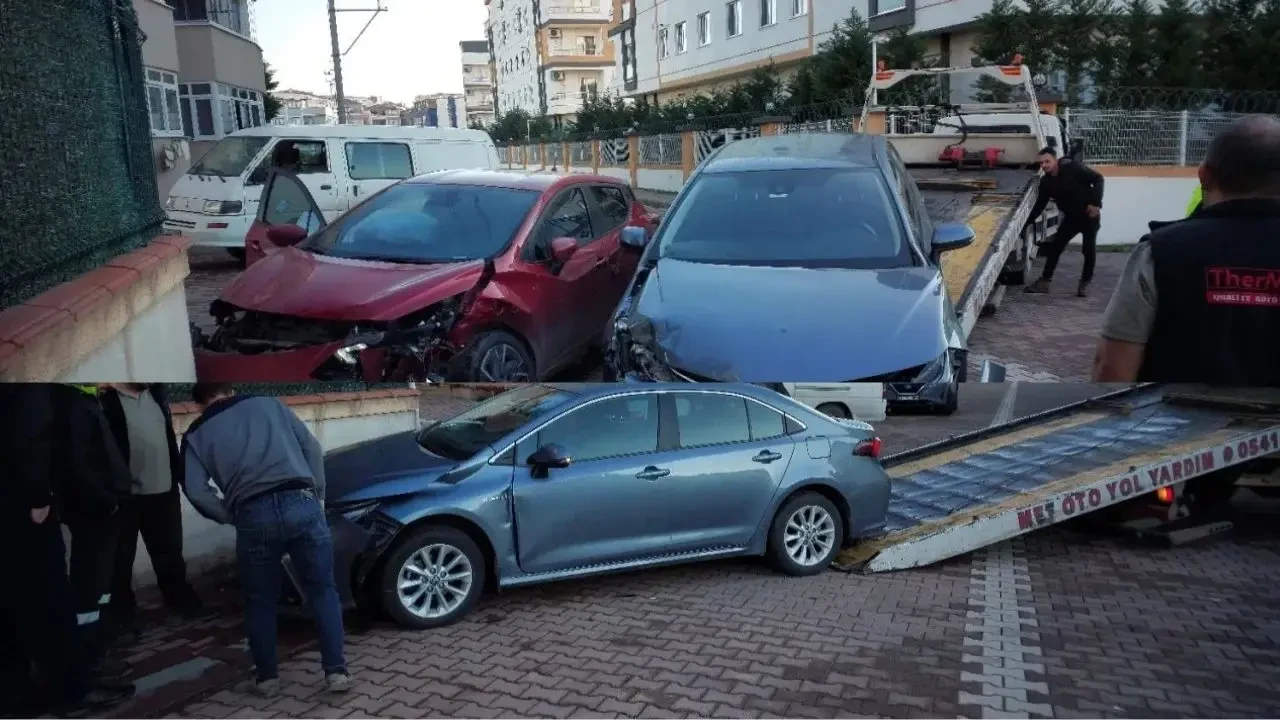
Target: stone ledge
(52,333)
(324,406)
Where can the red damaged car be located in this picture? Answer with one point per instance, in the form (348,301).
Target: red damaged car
(473,275)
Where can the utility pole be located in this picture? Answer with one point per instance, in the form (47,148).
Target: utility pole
(338,95)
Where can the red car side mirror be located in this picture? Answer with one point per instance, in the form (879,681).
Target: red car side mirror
(563,248)
(286,235)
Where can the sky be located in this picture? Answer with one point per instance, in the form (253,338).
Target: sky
(412,49)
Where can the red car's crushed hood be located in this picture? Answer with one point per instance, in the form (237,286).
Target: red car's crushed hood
(297,283)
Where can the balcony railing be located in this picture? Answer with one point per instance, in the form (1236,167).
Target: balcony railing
(572,9)
(475,80)
(574,51)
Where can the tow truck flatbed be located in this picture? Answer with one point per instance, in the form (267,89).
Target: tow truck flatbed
(996,204)
(977,489)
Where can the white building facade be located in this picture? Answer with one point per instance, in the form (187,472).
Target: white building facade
(549,55)
(669,49)
(477,82)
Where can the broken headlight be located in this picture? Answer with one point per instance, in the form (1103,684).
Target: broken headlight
(934,370)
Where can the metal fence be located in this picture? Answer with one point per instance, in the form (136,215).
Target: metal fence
(665,149)
(1145,137)
(75,142)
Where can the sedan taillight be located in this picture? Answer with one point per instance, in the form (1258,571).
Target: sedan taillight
(868,448)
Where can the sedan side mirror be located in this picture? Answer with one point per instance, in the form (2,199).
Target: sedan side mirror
(286,235)
(548,457)
(952,236)
(634,237)
(563,248)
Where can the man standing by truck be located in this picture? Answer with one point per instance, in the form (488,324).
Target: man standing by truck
(1199,300)
(1076,189)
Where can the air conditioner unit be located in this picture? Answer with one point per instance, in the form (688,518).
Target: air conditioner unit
(557,75)
(555,33)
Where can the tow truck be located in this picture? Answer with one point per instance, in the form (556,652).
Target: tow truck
(1156,462)
(977,164)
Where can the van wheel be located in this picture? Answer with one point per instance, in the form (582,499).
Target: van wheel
(835,410)
(805,535)
(499,356)
(433,577)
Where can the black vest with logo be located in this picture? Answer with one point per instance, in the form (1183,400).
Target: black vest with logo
(1217,279)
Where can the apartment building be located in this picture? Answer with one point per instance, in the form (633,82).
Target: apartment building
(477,82)
(448,110)
(549,55)
(205,77)
(670,49)
(298,107)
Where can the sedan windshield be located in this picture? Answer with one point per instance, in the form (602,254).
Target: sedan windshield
(819,218)
(229,157)
(460,437)
(423,222)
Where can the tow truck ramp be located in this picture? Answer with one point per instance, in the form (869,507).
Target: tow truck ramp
(978,489)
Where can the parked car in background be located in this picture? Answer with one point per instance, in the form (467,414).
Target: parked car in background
(470,275)
(215,202)
(551,482)
(851,401)
(800,258)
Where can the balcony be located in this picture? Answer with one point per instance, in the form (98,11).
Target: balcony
(565,103)
(579,10)
(482,80)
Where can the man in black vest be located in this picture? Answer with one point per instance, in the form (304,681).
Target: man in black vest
(1199,300)
(1076,189)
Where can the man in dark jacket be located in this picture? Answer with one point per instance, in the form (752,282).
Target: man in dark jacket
(1076,189)
(249,461)
(143,429)
(43,431)
(1199,299)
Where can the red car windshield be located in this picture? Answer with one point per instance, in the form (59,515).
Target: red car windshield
(427,223)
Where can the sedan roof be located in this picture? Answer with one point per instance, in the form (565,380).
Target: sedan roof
(538,181)
(798,151)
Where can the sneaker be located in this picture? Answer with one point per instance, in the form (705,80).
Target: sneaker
(1039,287)
(1083,290)
(338,682)
(264,688)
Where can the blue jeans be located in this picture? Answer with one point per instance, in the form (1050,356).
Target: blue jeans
(268,527)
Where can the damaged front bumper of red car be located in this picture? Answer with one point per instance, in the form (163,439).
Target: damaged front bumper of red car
(250,346)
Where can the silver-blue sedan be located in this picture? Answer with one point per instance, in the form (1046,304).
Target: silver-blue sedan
(550,482)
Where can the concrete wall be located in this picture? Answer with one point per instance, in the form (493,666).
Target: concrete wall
(338,420)
(160,49)
(211,53)
(665,180)
(180,149)
(124,322)
(1133,201)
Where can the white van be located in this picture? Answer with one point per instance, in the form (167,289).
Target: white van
(854,401)
(217,200)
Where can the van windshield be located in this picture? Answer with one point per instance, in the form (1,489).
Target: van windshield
(229,157)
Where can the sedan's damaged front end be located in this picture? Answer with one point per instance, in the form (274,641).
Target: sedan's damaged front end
(361,535)
(933,386)
(256,346)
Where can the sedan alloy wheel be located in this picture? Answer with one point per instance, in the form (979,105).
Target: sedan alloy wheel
(432,576)
(806,534)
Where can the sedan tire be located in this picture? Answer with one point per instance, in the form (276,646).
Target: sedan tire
(805,535)
(499,356)
(432,577)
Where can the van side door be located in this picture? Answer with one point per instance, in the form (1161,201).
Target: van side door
(372,165)
(309,160)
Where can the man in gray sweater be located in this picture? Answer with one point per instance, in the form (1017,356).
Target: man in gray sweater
(250,462)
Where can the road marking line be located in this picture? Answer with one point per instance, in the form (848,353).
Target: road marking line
(1008,643)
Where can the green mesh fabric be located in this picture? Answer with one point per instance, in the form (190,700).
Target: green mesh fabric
(75,142)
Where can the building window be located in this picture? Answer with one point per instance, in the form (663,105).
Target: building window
(662,43)
(733,17)
(799,7)
(682,38)
(768,12)
(211,110)
(231,14)
(163,105)
(881,7)
(704,29)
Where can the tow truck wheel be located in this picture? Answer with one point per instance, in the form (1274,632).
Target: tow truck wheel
(835,410)
(952,403)
(805,535)
(432,577)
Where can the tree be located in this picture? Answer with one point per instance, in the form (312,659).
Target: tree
(1228,58)
(1177,41)
(1135,46)
(1084,50)
(803,89)
(902,50)
(270,103)
(1004,31)
(842,66)
(1265,48)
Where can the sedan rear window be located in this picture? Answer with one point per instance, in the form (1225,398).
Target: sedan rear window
(422,222)
(818,218)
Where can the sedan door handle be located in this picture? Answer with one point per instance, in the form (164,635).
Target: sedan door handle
(765,456)
(326,187)
(652,473)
